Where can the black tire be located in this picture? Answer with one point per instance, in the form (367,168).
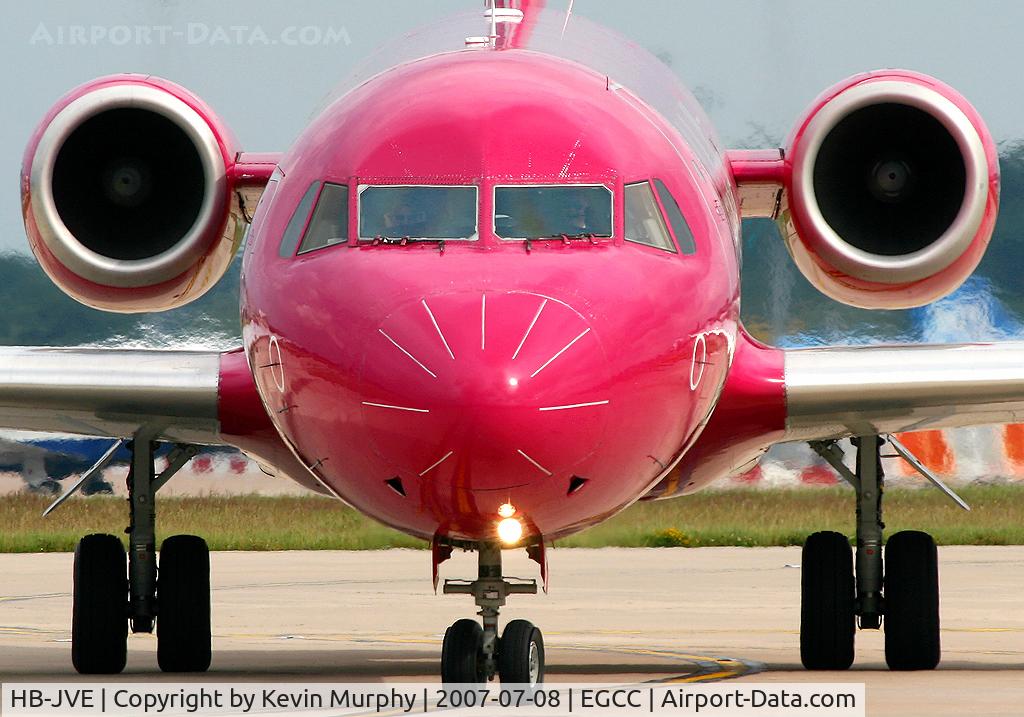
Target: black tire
(521,654)
(462,653)
(827,620)
(912,602)
(99,621)
(183,605)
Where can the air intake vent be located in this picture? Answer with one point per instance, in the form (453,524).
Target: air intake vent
(575,483)
(395,484)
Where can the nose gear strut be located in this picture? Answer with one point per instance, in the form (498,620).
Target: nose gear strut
(474,654)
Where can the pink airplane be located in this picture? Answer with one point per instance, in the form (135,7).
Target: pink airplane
(490,298)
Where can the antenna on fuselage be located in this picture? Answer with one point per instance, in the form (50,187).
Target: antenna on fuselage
(568,12)
(495,15)
(492,11)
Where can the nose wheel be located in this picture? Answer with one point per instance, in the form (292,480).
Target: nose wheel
(473,653)
(462,655)
(521,654)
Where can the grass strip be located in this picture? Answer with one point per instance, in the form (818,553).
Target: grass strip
(741,517)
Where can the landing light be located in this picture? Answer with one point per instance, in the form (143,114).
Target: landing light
(510,530)
(513,382)
(506,510)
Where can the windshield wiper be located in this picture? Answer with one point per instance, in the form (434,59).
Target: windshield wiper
(405,241)
(567,238)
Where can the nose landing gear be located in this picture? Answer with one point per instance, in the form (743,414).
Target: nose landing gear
(473,653)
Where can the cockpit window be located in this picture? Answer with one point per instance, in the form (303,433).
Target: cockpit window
(297,223)
(329,224)
(542,211)
(684,237)
(644,223)
(417,212)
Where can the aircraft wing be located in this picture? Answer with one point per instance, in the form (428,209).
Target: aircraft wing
(198,397)
(848,391)
(111,392)
(830,392)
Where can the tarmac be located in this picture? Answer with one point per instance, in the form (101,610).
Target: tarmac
(612,615)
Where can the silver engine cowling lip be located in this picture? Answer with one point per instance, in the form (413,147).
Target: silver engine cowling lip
(941,253)
(127,273)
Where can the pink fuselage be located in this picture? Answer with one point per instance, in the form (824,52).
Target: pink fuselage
(485,372)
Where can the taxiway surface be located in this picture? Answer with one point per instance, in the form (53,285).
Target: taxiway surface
(613,615)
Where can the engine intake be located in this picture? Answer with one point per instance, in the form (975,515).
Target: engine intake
(892,190)
(128,196)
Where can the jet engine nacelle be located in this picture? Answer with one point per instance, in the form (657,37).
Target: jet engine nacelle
(128,197)
(891,190)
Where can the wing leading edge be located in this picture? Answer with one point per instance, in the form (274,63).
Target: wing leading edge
(849,391)
(111,392)
(774,396)
(200,397)
(177,395)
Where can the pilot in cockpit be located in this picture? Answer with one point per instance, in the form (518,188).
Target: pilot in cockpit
(576,209)
(405,217)
(568,212)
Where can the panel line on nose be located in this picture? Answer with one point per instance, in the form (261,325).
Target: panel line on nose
(564,349)
(530,328)
(536,465)
(399,347)
(399,408)
(434,321)
(445,457)
(574,405)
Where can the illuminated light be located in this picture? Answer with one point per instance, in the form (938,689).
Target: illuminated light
(513,382)
(510,530)
(506,510)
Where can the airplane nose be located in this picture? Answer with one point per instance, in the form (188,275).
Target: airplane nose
(486,390)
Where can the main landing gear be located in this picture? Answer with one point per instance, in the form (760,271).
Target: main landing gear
(107,598)
(834,603)
(473,653)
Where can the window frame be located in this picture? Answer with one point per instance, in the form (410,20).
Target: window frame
(655,181)
(362,187)
(319,185)
(526,185)
(299,251)
(661,216)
